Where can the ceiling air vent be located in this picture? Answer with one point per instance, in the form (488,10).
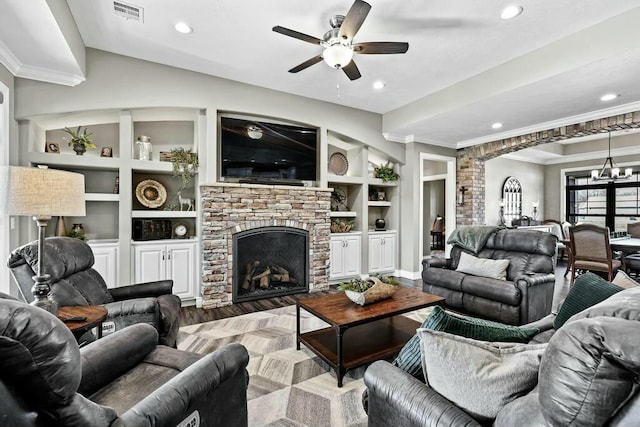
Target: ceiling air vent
(128,11)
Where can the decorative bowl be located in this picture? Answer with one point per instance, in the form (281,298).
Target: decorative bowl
(378,291)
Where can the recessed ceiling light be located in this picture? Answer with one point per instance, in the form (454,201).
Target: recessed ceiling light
(378,85)
(609,97)
(510,12)
(496,125)
(183,28)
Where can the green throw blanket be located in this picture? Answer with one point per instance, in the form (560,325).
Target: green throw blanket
(471,237)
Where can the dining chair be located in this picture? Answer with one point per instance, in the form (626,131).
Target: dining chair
(590,250)
(556,230)
(633,229)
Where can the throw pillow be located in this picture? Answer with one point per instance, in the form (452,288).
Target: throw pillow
(588,289)
(477,376)
(623,280)
(484,267)
(409,359)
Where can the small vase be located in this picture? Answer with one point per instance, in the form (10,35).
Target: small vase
(380,224)
(78,228)
(79,149)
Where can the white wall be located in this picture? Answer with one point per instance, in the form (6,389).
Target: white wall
(7,134)
(531,177)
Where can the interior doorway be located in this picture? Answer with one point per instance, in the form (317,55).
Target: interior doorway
(4,161)
(437,201)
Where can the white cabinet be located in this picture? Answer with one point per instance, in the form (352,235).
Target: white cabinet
(345,255)
(162,260)
(105,254)
(382,252)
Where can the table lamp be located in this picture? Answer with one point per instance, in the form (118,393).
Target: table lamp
(41,193)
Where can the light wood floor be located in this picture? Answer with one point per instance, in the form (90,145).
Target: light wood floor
(193,315)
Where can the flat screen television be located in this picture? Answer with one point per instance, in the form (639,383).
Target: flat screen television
(264,152)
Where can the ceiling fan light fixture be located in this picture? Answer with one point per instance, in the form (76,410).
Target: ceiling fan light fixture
(511,11)
(254,132)
(337,55)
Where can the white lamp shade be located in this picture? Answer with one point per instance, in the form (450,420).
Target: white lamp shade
(337,56)
(41,192)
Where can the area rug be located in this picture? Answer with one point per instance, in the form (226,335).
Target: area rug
(287,387)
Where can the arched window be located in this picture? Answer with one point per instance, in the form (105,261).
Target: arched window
(512,199)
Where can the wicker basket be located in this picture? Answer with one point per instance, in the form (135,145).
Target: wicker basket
(337,227)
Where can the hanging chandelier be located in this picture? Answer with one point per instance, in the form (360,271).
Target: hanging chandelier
(609,171)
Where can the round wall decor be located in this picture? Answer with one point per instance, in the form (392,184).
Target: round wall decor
(338,164)
(150,193)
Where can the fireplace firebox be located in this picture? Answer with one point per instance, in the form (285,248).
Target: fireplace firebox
(269,262)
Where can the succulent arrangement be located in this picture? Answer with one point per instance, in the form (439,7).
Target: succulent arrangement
(362,285)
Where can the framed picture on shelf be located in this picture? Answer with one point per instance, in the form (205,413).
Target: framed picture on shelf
(106,152)
(52,147)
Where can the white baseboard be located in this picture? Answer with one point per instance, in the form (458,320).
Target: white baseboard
(411,275)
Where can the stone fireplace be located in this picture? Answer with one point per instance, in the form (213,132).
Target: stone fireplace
(233,212)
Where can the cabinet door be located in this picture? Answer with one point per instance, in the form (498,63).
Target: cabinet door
(149,263)
(375,253)
(181,268)
(351,255)
(106,263)
(388,259)
(337,267)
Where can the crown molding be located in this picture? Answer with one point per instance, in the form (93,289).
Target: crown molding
(406,139)
(566,121)
(559,159)
(18,69)
(8,59)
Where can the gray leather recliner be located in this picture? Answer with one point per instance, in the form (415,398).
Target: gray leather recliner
(525,296)
(74,282)
(124,379)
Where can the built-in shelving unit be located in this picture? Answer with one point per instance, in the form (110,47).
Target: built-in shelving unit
(363,198)
(110,182)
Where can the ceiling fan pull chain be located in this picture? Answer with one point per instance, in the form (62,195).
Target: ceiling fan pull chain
(338,81)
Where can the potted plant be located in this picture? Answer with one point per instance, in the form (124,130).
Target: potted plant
(185,164)
(80,140)
(385,172)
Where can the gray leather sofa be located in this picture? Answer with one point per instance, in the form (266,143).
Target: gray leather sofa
(74,282)
(587,377)
(524,297)
(124,379)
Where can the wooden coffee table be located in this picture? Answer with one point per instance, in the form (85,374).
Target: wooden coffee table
(376,331)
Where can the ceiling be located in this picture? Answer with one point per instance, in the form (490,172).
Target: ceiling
(465,69)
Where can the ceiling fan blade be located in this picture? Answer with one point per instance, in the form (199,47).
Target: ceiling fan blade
(380,47)
(296,35)
(306,64)
(351,70)
(354,19)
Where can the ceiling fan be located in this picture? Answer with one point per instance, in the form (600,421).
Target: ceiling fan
(338,42)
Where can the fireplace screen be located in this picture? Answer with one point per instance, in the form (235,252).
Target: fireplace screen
(270,261)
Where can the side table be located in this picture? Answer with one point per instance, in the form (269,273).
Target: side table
(94,314)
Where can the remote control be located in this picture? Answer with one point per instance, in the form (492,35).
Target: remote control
(75,319)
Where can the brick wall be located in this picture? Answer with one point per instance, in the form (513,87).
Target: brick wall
(470,160)
(230,208)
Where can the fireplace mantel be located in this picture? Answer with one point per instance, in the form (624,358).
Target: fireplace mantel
(228,208)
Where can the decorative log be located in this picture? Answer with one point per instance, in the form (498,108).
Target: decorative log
(251,268)
(282,275)
(264,282)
